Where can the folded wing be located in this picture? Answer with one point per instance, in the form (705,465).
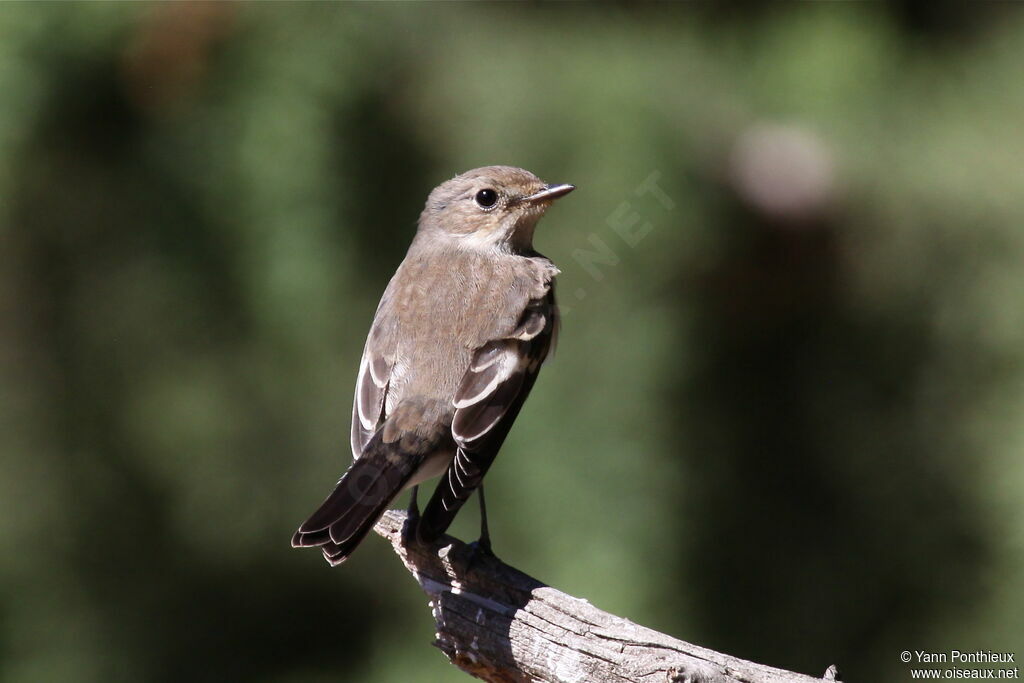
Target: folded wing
(487,402)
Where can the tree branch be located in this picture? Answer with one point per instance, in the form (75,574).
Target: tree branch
(499,624)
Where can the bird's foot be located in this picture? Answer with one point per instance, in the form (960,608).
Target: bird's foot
(412,521)
(409,535)
(479,550)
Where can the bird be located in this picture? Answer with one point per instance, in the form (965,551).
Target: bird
(454,349)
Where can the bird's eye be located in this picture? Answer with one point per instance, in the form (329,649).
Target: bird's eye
(485,199)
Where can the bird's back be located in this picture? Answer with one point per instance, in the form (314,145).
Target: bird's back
(430,316)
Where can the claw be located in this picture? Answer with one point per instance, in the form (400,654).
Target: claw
(478,550)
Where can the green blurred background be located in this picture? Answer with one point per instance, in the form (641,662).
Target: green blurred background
(785,415)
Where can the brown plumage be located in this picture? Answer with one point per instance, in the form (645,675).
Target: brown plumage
(454,349)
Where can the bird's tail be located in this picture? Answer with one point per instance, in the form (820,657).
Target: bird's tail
(362,495)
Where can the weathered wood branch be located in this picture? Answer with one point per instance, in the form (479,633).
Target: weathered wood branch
(499,624)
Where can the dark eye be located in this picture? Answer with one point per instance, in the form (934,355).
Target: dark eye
(485,199)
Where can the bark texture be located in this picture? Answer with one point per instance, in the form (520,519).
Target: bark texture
(498,624)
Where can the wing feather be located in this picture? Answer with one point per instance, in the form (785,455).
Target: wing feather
(483,378)
(474,419)
(492,391)
(377,369)
(371,390)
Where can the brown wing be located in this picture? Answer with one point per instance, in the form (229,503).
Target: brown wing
(487,402)
(376,371)
(371,390)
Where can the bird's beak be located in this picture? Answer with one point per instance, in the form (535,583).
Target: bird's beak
(549,192)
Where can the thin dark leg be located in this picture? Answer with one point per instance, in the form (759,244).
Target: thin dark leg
(485,535)
(412,516)
(414,510)
(482,546)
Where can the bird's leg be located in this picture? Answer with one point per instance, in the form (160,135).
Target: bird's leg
(483,544)
(485,535)
(412,517)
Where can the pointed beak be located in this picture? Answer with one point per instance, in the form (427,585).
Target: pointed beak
(549,192)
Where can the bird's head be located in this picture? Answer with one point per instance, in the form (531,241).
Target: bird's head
(494,207)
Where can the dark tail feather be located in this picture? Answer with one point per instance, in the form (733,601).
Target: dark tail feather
(358,501)
(336,553)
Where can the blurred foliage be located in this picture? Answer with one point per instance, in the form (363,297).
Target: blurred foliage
(784,416)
